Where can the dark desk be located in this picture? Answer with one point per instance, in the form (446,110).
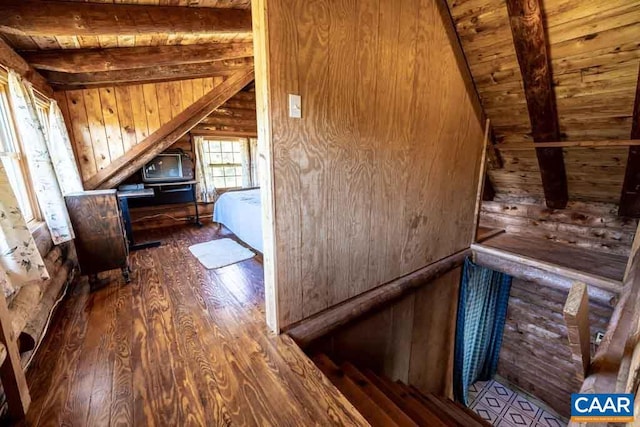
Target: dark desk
(123,199)
(154,194)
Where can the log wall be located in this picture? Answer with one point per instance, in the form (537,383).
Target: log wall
(535,354)
(593,226)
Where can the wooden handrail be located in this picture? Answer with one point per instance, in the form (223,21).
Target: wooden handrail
(314,327)
(600,288)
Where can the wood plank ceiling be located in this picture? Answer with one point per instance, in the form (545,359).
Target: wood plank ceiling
(594,53)
(81,44)
(52,42)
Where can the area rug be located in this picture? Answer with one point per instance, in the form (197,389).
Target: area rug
(219,253)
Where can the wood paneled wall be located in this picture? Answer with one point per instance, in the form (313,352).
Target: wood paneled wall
(535,353)
(105,123)
(379,176)
(411,340)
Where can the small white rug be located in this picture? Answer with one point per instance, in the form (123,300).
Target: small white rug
(219,253)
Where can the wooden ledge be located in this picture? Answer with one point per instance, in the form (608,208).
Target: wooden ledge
(314,327)
(543,272)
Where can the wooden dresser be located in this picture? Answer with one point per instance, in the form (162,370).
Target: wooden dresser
(100,241)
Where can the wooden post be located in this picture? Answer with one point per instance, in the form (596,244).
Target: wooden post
(481,182)
(11,372)
(576,316)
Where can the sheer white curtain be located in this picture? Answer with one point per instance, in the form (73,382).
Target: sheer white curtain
(20,261)
(206,190)
(61,153)
(253,150)
(46,182)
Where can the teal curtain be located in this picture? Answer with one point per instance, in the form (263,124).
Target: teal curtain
(482,311)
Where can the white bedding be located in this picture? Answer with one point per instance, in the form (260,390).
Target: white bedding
(241,212)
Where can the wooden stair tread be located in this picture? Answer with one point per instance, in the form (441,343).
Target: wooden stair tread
(362,402)
(461,414)
(388,405)
(415,409)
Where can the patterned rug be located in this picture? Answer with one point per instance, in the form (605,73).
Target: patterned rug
(503,407)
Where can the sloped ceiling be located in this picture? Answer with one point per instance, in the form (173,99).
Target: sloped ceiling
(594,49)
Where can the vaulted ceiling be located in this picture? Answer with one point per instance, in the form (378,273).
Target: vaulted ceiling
(78,44)
(593,48)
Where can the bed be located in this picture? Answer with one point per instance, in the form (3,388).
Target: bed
(241,212)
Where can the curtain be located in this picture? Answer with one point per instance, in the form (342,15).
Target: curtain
(246,163)
(482,311)
(43,175)
(20,261)
(253,151)
(61,153)
(206,190)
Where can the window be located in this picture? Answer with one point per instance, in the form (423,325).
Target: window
(226,161)
(13,161)
(42,108)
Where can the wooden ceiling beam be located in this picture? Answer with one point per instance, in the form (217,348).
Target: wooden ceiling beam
(66,18)
(630,196)
(124,166)
(530,42)
(11,60)
(68,81)
(128,58)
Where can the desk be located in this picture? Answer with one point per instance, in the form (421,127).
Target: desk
(154,194)
(123,199)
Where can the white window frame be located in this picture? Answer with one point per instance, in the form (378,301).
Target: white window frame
(35,219)
(223,165)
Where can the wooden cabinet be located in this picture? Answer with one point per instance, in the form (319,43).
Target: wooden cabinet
(100,241)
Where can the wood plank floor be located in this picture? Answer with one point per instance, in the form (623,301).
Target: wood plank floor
(178,346)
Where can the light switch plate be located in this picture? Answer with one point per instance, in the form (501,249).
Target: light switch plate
(295,106)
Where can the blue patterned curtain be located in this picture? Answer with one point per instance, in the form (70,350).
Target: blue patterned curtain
(482,310)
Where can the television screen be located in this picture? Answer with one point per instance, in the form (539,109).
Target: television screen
(165,167)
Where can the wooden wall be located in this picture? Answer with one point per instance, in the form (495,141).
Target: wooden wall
(535,354)
(590,226)
(594,56)
(411,340)
(593,174)
(379,176)
(105,123)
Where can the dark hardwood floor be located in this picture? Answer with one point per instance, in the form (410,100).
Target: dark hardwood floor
(178,346)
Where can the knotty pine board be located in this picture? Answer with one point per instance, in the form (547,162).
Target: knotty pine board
(594,59)
(105,123)
(379,177)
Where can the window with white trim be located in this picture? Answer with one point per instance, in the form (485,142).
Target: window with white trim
(227,162)
(13,161)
